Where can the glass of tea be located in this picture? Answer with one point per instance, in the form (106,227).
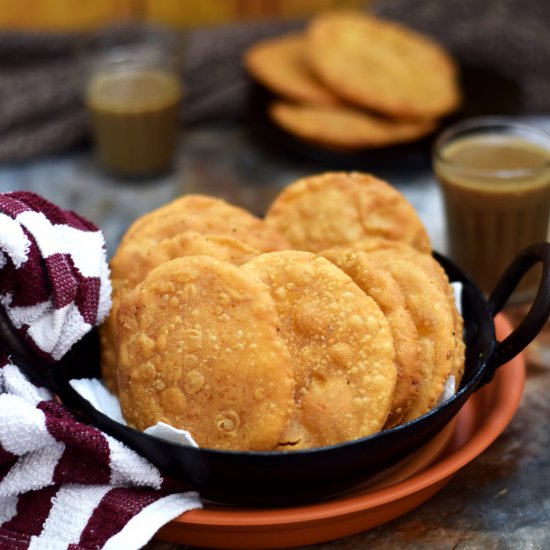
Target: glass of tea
(494,175)
(133,91)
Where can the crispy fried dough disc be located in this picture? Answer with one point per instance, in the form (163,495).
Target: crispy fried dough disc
(345,128)
(186,204)
(382,66)
(432,315)
(205,214)
(341,349)
(432,267)
(378,283)
(200,349)
(132,262)
(338,208)
(280,64)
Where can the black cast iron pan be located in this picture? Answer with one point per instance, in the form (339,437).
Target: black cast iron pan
(283,478)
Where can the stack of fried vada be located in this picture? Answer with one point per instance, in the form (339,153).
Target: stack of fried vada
(326,321)
(353,81)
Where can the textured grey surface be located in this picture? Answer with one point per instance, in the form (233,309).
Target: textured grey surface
(499,501)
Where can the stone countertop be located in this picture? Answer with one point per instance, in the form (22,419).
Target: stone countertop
(501,500)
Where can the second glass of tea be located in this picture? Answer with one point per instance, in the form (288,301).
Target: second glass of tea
(133,93)
(495,179)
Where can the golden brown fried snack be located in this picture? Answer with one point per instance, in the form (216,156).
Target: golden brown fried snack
(341,348)
(338,208)
(378,283)
(344,128)
(200,349)
(378,243)
(132,262)
(382,66)
(186,204)
(432,267)
(207,215)
(433,317)
(280,64)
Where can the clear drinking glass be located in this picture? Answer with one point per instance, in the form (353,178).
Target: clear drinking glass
(133,91)
(494,175)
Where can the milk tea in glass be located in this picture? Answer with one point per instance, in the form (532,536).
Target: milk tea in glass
(133,94)
(495,180)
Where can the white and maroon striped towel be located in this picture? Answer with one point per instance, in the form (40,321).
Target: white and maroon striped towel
(64,484)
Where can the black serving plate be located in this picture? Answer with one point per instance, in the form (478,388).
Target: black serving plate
(282,478)
(484,93)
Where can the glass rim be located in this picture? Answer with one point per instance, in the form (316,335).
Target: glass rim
(487,125)
(132,41)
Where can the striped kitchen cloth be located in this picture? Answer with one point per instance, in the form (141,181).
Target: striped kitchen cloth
(64,484)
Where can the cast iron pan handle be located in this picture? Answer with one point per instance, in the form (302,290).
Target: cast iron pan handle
(539,311)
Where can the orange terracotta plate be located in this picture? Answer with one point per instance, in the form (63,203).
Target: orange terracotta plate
(390,495)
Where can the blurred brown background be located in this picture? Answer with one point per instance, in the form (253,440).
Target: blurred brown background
(70,15)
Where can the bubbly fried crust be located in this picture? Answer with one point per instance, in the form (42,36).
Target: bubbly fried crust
(379,243)
(432,315)
(199,214)
(378,283)
(341,348)
(207,215)
(432,267)
(345,128)
(186,204)
(382,66)
(134,261)
(338,208)
(131,263)
(280,64)
(200,349)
